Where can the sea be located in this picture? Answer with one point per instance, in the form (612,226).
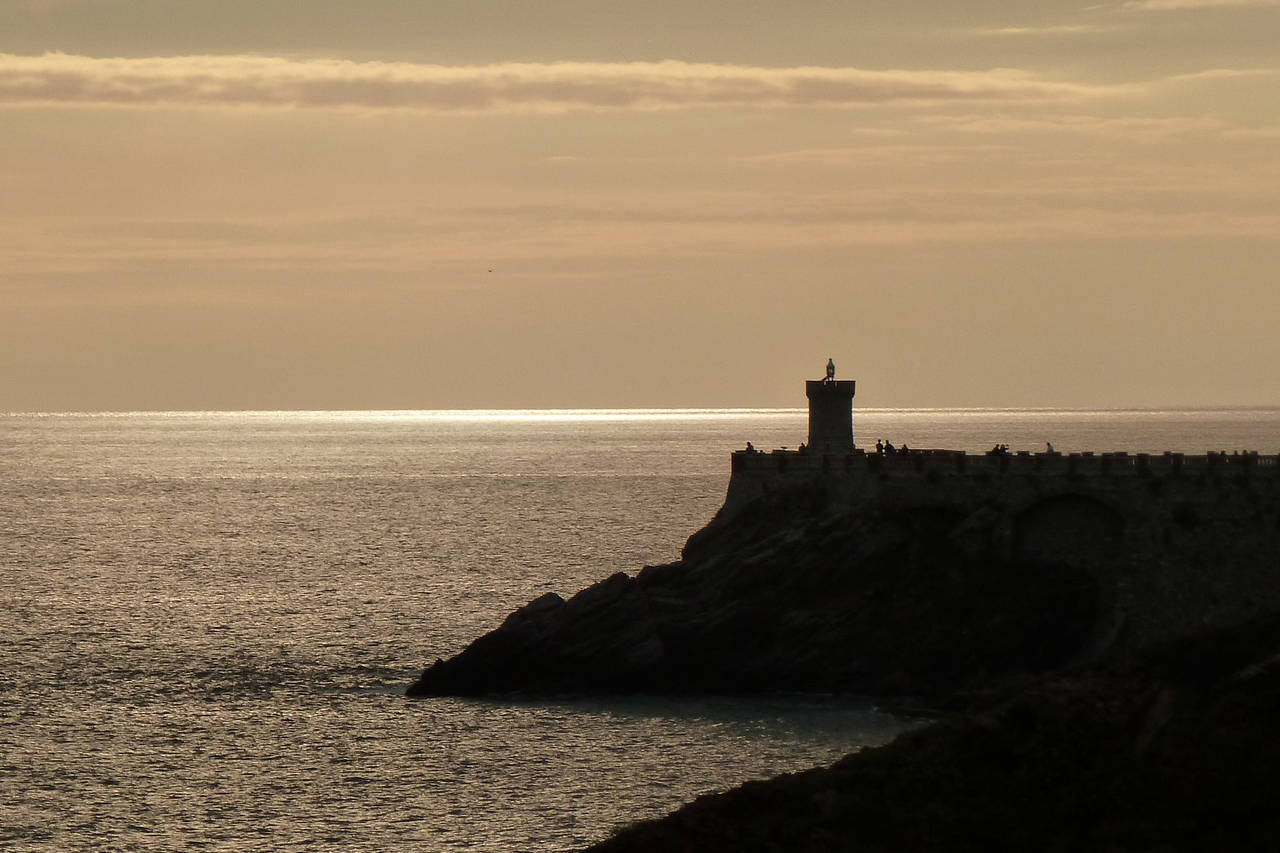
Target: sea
(208,619)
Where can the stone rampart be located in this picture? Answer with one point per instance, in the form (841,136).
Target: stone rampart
(1178,541)
(943,475)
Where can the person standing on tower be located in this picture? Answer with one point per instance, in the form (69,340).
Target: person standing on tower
(831,370)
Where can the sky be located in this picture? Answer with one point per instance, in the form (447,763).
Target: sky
(440,204)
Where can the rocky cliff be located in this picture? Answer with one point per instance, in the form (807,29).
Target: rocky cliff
(1102,645)
(795,595)
(921,581)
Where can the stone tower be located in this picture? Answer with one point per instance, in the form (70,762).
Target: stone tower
(830,413)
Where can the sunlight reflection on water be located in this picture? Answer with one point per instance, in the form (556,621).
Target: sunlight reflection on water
(209,619)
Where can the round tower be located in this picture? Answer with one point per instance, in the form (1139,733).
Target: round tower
(830,412)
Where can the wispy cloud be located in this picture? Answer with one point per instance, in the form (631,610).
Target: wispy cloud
(1050,30)
(1213,75)
(1133,128)
(1175,5)
(876,154)
(271,82)
(935,200)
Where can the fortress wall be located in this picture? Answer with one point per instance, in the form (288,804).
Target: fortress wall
(1177,541)
(945,477)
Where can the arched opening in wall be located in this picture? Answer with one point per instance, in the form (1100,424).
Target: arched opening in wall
(929,523)
(1073,530)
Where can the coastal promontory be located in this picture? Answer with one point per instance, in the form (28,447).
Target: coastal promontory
(916,576)
(1097,635)
(794,594)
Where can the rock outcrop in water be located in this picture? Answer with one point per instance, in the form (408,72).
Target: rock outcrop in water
(1178,750)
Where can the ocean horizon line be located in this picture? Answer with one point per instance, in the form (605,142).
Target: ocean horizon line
(626,413)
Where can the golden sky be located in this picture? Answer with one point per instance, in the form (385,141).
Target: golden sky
(398,204)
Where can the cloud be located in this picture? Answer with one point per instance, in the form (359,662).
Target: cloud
(934,199)
(272,82)
(1175,5)
(1213,75)
(877,154)
(1272,132)
(1135,128)
(1051,30)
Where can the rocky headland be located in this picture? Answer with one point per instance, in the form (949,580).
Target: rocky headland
(791,595)
(918,579)
(1098,637)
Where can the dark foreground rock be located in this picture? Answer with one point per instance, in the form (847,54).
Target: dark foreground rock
(1177,751)
(795,594)
(1105,660)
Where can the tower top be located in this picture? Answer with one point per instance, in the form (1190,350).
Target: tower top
(830,412)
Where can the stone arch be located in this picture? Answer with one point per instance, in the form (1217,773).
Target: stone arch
(1070,529)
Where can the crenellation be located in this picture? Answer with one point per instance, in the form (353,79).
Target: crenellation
(1085,463)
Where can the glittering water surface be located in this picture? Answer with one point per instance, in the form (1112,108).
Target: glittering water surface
(207,619)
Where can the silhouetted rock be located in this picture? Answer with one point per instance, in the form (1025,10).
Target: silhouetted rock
(1177,751)
(793,595)
(1079,630)
(917,577)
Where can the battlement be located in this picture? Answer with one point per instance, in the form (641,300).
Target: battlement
(956,478)
(958,462)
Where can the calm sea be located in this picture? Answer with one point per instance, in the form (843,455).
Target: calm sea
(207,619)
